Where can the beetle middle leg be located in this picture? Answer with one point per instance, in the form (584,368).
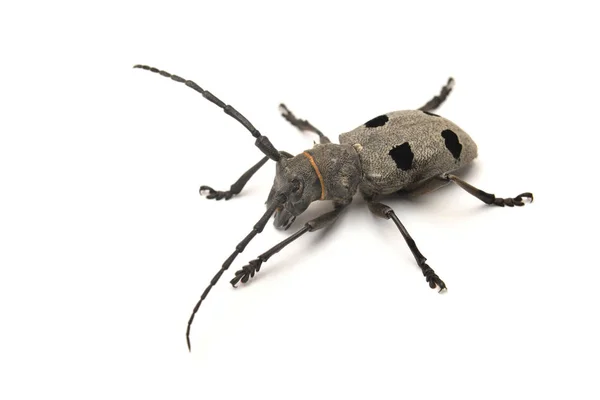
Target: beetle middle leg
(320,222)
(437,101)
(236,188)
(301,124)
(386,212)
(488,198)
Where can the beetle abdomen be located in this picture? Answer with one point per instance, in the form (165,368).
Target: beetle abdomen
(403,148)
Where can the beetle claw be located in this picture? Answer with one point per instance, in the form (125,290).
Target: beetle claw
(432,278)
(211,193)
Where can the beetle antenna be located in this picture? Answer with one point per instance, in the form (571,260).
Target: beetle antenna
(262,142)
(279,199)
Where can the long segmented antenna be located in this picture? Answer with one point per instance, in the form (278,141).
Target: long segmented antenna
(258,228)
(262,142)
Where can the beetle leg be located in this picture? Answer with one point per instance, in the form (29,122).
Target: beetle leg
(236,188)
(437,101)
(301,124)
(488,198)
(320,222)
(384,211)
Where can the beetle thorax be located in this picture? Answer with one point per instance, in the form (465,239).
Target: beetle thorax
(325,172)
(340,170)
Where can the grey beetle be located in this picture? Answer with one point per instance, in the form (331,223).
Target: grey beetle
(397,151)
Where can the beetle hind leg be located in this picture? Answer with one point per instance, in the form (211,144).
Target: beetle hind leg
(489,198)
(437,101)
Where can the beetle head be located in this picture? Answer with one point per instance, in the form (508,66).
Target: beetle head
(297,180)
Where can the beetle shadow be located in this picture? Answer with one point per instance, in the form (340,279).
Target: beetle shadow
(430,195)
(435,184)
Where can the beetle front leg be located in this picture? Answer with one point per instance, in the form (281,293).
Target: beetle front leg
(386,212)
(320,222)
(236,188)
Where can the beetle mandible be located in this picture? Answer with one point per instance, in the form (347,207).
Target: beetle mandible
(397,151)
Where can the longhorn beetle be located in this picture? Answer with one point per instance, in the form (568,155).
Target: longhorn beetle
(395,152)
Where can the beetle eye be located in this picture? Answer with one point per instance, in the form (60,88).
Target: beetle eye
(297,186)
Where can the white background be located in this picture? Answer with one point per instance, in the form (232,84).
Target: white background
(106,244)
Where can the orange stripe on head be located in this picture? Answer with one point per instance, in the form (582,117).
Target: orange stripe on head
(314,165)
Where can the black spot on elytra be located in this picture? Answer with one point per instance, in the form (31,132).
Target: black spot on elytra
(452,143)
(402,156)
(377,121)
(432,114)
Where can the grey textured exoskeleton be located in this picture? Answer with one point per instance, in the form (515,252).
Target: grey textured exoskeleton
(402,150)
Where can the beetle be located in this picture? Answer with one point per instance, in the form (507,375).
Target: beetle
(400,151)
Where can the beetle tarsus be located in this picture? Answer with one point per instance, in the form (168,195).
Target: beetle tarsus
(527,195)
(246,272)
(432,278)
(511,202)
(211,193)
